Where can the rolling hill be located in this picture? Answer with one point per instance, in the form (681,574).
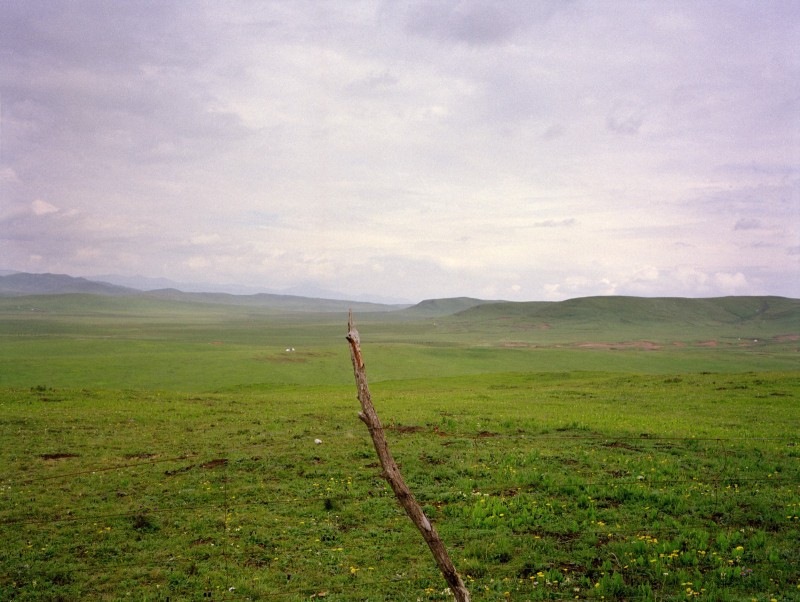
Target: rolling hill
(628,316)
(431,308)
(612,310)
(23,283)
(625,321)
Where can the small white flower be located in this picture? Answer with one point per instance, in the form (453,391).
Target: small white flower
(317,441)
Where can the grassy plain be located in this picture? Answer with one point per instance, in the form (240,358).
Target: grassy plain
(156,450)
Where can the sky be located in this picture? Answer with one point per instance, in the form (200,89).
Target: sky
(519,150)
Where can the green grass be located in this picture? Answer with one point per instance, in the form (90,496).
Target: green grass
(85,341)
(586,478)
(157,452)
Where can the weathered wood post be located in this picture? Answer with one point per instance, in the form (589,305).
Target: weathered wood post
(391,472)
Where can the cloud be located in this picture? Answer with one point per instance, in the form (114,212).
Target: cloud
(40,207)
(555,223)
(730,283)
(747,223)
(205,239)
(420,148)
(579,286)
(374,84)
(475,22)
(625,118)
(554,131)
(7,175)
(650,281)
(197,263)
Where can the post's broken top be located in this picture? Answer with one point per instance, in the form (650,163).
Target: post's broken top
(351,329)
(355,342)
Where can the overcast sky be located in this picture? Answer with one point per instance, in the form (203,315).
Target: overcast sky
(522,150)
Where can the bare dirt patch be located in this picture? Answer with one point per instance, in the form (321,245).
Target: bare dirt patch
(536,326)
(284,359)
(399,428)
(57,456)
(290,357)
(207,465)
(172,473)
(643,345)
(200,542)
(620,445)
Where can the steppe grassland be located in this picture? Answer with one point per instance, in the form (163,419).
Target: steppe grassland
(182,463)
(82,341)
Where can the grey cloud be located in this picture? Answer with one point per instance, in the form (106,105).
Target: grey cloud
(111,36)
(775,201)
(375,84)
(765,244)
(56,228)
(625,118)
(758,168)
(476,22)
(107,97)
(67,242)
(554,131)
(514,94)
(747,223)
(473,23)
(149,123)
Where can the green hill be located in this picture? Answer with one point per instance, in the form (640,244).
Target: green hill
(632,318)
(22,283)
(639,310)
(431,308)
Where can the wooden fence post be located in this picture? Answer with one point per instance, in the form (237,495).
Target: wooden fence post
(391,472)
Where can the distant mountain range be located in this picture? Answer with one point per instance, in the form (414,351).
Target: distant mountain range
(144,283)
(608,310)
(23,283)
(16,284)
